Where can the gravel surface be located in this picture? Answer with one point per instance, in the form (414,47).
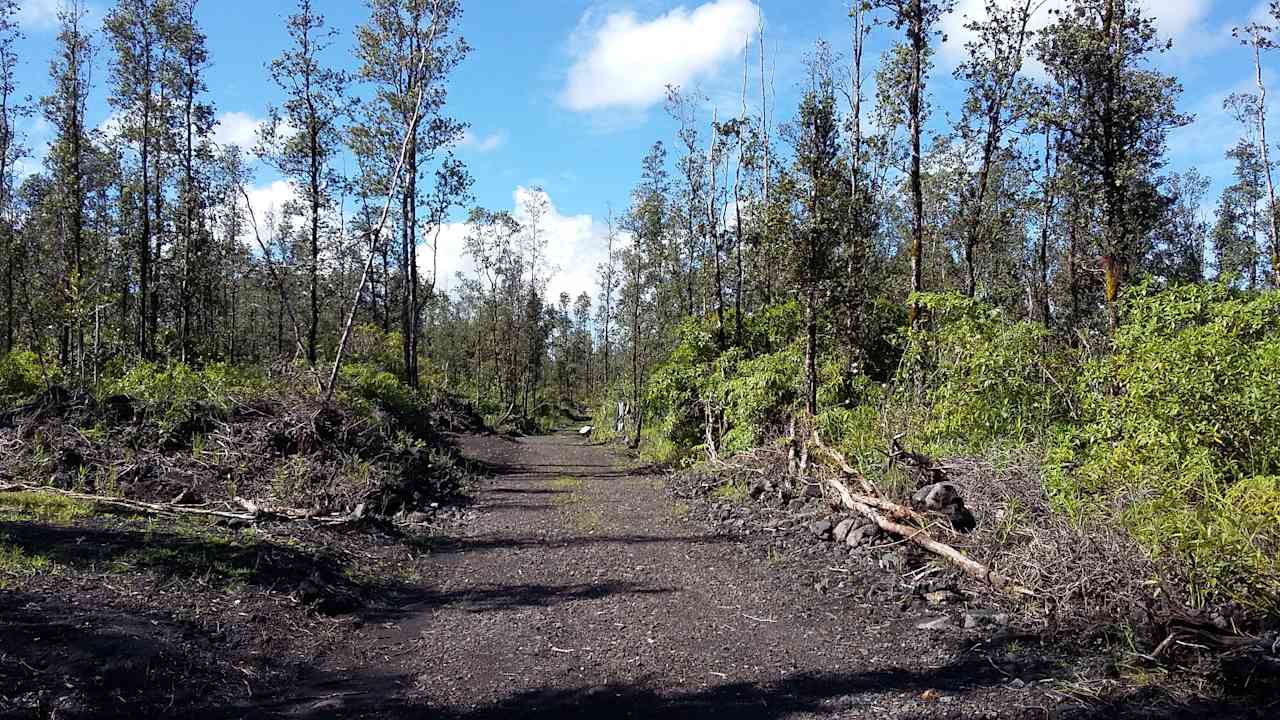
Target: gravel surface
(580,588)
(584,590)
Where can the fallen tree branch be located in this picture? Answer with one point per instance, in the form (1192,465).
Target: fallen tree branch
(870,495)
(921,537)
(256,514)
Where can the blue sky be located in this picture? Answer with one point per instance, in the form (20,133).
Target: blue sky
(567,94)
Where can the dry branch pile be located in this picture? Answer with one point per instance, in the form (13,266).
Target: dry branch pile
(1061,576)
(282,457)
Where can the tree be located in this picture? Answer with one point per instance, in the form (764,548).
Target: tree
(65,110)
(11,150)
(301,138)
(918,18)
(607,274)
(197,126)
(1239,217)
(1116,117)
(1258,38)
(994,100)
(389,44)
(647,223)
(817,186)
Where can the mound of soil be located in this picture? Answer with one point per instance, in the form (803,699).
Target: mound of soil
(287,451)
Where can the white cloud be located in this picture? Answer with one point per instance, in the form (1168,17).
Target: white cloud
(483,143)
(39,13)
(237,128)
(1176,19)
(624,62)
(575,246)
(268,202)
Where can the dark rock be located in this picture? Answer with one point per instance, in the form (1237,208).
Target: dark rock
(894,562)
(935,497)
(862,536)
(961,519)
(940,623)
(843,528)
(821,528)
(977,619)
(189,496)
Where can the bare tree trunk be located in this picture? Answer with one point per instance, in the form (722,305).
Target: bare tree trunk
(713,230)
(1273,223)
(855,256)
(916,33)
(1046,218)
(764,134)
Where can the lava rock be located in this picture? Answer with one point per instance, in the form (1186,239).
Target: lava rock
(862,536)
(843,528)
(936,497)
(821,528)
(941,623)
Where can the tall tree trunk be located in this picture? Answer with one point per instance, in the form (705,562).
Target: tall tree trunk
(313,261)
(713,230)
(1046,218)
(916,33)
(855,253)
(1273,224)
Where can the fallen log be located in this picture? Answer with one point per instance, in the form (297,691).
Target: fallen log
(870,496)
(256,514)
(921,537)
(874,508)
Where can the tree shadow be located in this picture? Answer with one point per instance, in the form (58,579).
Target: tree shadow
(93,656)
(319,576)
(822,694)
(491,597)
(453,545)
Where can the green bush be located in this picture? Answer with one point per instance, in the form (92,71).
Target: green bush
(751,390)
(21,377)
(1180,433)
(372,386)
(978,376)
(174,392)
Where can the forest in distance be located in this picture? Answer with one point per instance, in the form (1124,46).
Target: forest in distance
(869,295)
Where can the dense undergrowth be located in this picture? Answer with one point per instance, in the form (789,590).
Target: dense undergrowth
(1170,430)
(221,431)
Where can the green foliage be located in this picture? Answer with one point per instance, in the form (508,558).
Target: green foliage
(44,506)
(371,385)
(176,392)
(983,377)
(21,377)
(750,391)
(733,491)
(1180,429)
(16,562)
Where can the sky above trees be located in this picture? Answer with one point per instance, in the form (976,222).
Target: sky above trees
(566,95)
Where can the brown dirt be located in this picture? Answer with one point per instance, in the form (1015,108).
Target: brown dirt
(582,590)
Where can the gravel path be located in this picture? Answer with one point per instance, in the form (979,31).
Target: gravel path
(581,591)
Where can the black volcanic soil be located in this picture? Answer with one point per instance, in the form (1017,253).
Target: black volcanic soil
(577,588)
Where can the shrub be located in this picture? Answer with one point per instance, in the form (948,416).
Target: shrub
(751,390)
(175,392)
(1180,433)
(983,377)
(373,386)
(21,377)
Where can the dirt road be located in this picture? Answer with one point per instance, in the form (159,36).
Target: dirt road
(582,592)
